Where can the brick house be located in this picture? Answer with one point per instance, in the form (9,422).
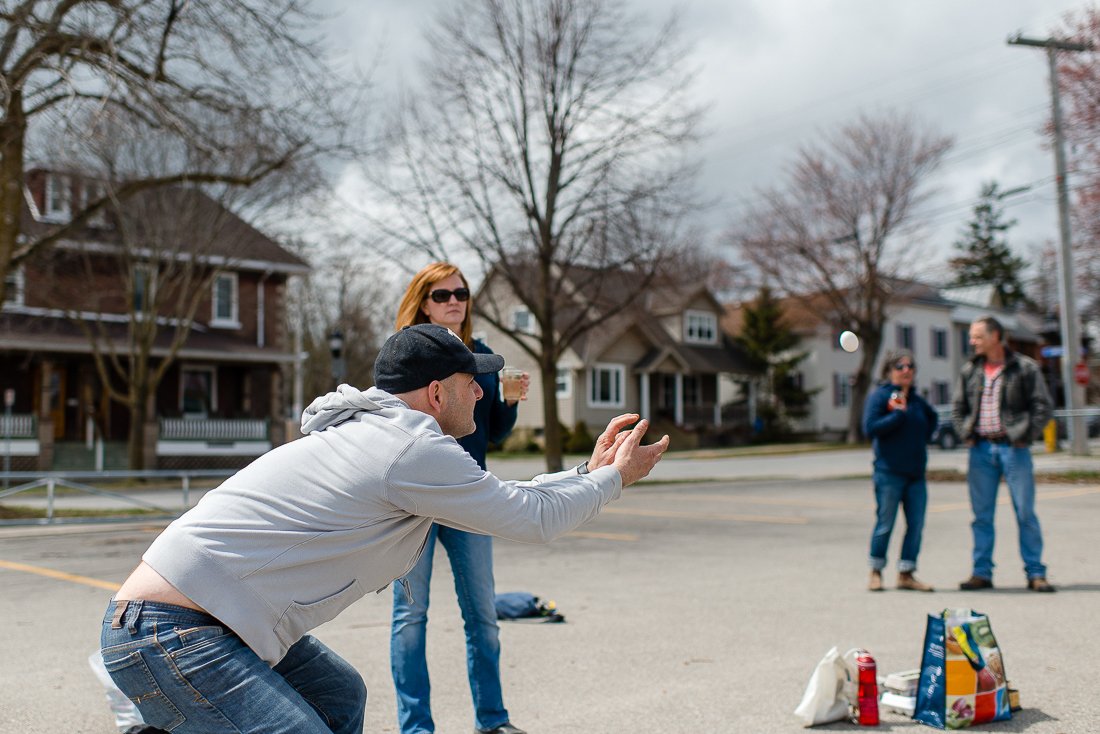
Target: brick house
(221,400)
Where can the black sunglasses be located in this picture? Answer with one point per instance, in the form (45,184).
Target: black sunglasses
(902,366)
(442,295)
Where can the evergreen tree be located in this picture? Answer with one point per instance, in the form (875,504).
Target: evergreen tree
(985,256)
(770,345)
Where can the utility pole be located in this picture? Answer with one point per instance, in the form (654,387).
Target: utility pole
(1071,328)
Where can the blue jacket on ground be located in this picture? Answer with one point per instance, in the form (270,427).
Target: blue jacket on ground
(899,437)
(493,417)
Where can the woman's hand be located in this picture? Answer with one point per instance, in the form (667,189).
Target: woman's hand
(524,384)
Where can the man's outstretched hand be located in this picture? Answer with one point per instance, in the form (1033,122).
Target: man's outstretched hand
(610,440)
(623,449)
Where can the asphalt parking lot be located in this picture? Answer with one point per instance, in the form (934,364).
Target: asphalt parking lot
(691,607)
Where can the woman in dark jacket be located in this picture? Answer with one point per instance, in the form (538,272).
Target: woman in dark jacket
(899,422)
(439,294)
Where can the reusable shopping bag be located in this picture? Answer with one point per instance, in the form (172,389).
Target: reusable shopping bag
(962,677)
(827,697)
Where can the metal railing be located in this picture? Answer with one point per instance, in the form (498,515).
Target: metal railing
(108,499)
(20,425)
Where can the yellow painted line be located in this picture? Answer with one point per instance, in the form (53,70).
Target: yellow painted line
(1005,498)
(59,575)
(773,519)
(626,537)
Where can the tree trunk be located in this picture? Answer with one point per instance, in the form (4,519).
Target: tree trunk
(136,438)
(862,384)
(13,132)
(552,430)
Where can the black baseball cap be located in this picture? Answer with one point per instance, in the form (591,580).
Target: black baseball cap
(417,355)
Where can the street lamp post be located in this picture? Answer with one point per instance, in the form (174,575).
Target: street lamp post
(336,346)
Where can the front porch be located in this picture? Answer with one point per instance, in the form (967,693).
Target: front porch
(202,415)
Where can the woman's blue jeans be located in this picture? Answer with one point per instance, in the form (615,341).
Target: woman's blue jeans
(471,557)
(190,675)
(911,493)
(988,463)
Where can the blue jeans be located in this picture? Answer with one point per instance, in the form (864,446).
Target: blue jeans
(471,557)
(190,675)
(911,493)
(988,463)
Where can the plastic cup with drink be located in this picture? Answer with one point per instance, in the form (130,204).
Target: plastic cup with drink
(511,383)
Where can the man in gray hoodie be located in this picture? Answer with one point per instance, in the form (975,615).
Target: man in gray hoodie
(210,632)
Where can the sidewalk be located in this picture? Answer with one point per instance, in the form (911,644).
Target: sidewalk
(840,463)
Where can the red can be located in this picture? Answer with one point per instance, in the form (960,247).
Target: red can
(868,689)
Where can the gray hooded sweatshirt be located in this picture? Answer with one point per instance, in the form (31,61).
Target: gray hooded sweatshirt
(294,538)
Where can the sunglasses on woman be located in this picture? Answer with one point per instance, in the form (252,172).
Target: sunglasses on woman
(442,295)
(902,366)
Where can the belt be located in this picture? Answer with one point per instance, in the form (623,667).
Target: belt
(995,439)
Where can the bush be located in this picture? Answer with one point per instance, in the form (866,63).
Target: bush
(579,440)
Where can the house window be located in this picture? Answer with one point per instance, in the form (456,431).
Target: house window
(58,197)
(964,343)
(842,390)
(144,293)
(939,343)
(198,391)
(905,336)
(563,385)
(941,393)
(224,303)
(700,327)
(14,287)
(91,192)
(605,386)
(523,320)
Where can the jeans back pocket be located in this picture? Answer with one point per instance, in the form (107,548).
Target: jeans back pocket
(132,676)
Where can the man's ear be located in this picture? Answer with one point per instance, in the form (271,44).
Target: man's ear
(435,395)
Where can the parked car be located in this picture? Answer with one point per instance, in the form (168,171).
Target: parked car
(944,436)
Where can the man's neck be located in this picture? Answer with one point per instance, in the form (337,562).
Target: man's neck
(995,357)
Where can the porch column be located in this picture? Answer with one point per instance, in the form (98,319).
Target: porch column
(45,417)
(678,400)
(277,417)
(643,398)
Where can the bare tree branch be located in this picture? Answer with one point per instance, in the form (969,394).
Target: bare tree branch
(831,235)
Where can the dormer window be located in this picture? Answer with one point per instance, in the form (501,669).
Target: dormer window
(223,302)
(58,198)
(700,327)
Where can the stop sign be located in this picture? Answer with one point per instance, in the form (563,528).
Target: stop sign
(1081,373)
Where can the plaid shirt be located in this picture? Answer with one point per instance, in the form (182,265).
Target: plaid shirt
(989,410)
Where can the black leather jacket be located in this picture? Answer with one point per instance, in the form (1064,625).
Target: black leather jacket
(1025,401)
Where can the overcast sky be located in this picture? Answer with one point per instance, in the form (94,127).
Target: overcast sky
(777,73)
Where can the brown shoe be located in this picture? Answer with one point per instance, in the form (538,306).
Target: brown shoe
(909,582)
(1040,584)
(876,581)
(976,583)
